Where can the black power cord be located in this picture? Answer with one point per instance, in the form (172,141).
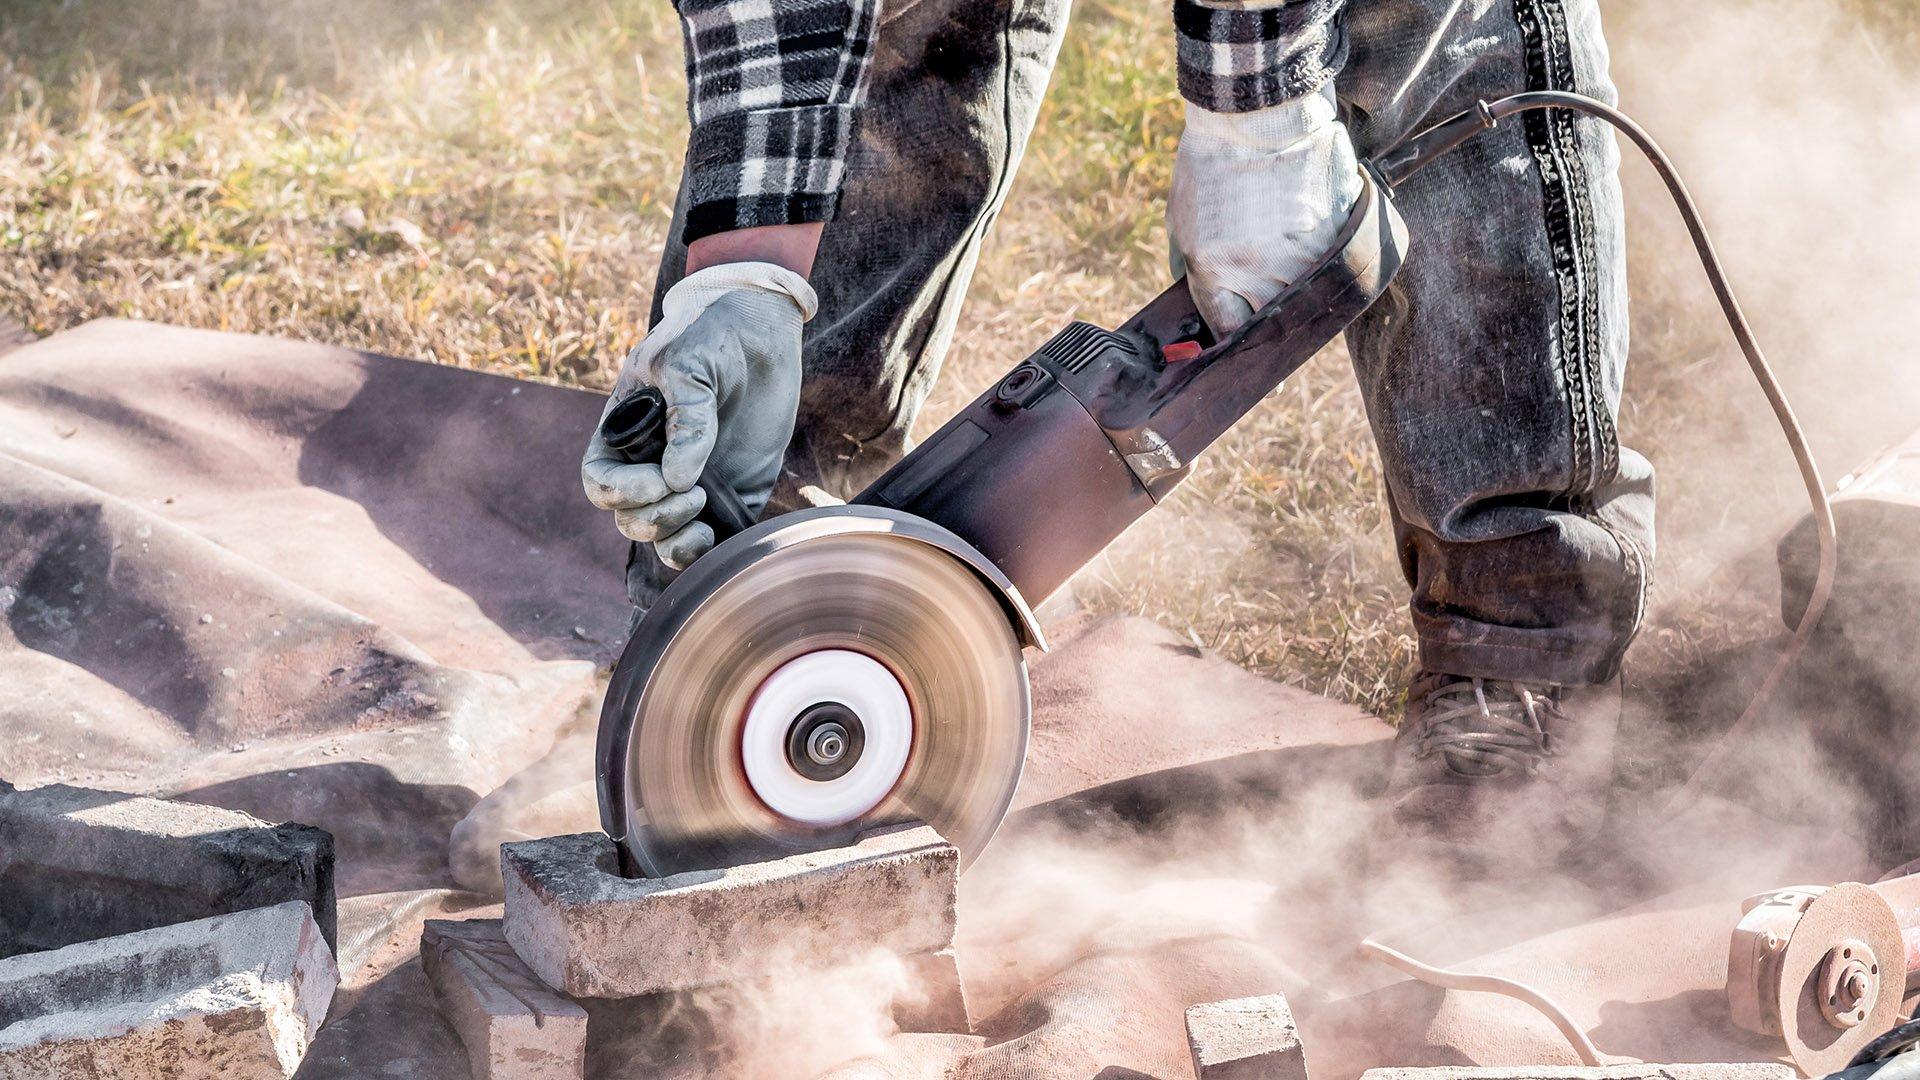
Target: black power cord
(1904,1039)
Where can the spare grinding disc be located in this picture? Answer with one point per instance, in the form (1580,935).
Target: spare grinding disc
(1841,978)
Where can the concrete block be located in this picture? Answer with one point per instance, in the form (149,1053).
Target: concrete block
(1748,1071)
(1245,1039)
(592,933)
(514,1026)
(934,1000)
(233,997)
(76,865)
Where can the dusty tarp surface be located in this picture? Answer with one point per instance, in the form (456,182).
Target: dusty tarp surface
(313,583)
(361,593)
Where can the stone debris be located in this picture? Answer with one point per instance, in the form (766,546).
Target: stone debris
(76,865)
(514,1026)
(1245,1039)
(1746,1071)
(233,997)
(935,1001)
(592,933)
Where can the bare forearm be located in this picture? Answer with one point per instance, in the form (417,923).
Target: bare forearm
(790,246)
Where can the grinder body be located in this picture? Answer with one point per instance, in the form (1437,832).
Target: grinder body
(1053,462)
(905,613)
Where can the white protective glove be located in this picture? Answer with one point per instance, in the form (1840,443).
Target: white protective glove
(1258,197)
(726,357)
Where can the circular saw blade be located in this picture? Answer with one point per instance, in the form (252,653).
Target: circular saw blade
(853,579)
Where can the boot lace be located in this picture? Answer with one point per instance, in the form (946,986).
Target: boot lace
(1485,727)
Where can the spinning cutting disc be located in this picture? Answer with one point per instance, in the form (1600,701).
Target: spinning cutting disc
(817,676)
(1841,978)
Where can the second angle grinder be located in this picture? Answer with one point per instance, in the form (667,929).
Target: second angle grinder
(833,670)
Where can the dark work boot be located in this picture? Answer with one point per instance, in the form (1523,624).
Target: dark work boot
(1513,774)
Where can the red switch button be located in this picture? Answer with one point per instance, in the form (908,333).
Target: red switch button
(1178,351)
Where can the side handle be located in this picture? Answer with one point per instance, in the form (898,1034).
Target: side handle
(636,429)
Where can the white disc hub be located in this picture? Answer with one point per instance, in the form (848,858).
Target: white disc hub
(882,737)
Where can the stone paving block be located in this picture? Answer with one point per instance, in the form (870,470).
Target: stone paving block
(935,1001)
(514,1026)
(592,933)
(1744,1071)
(76,865)
(1740,1071)
(1245,1039)
(233,997)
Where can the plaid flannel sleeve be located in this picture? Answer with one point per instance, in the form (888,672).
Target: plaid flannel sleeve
(771,90)
(1241,57)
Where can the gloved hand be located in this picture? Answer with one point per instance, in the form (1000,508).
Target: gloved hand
(726,357)
(1258,197)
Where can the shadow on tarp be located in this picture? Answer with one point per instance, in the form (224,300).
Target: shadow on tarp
(419,438)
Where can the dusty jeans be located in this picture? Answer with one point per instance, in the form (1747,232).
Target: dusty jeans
(1491,374)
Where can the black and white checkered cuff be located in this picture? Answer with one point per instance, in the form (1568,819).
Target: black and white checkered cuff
(766,167)
(1242,59)
(744,55)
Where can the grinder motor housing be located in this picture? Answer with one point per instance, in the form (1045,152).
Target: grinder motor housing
(1056,460)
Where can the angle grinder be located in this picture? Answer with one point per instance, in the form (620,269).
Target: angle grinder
(1823,968)
(837,669)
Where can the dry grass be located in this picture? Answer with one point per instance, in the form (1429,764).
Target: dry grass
(487,184)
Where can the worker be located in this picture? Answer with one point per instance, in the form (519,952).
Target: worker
(848,157)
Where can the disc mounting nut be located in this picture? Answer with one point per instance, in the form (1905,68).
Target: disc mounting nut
(1849,983)
(825,741)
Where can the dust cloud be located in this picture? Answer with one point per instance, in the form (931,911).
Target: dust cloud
(1793,122)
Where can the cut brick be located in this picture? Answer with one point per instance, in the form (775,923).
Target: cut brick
(234,997)
(934,1000)
(76,865)
(1746,1071)
(514,1026)
(592,933)
(1245,1039)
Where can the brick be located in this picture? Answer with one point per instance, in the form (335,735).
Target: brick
(233,997)
(76,865)
(934,1000)
(514,1026)
(1746,1071)
(1245,1039)
(592,933)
